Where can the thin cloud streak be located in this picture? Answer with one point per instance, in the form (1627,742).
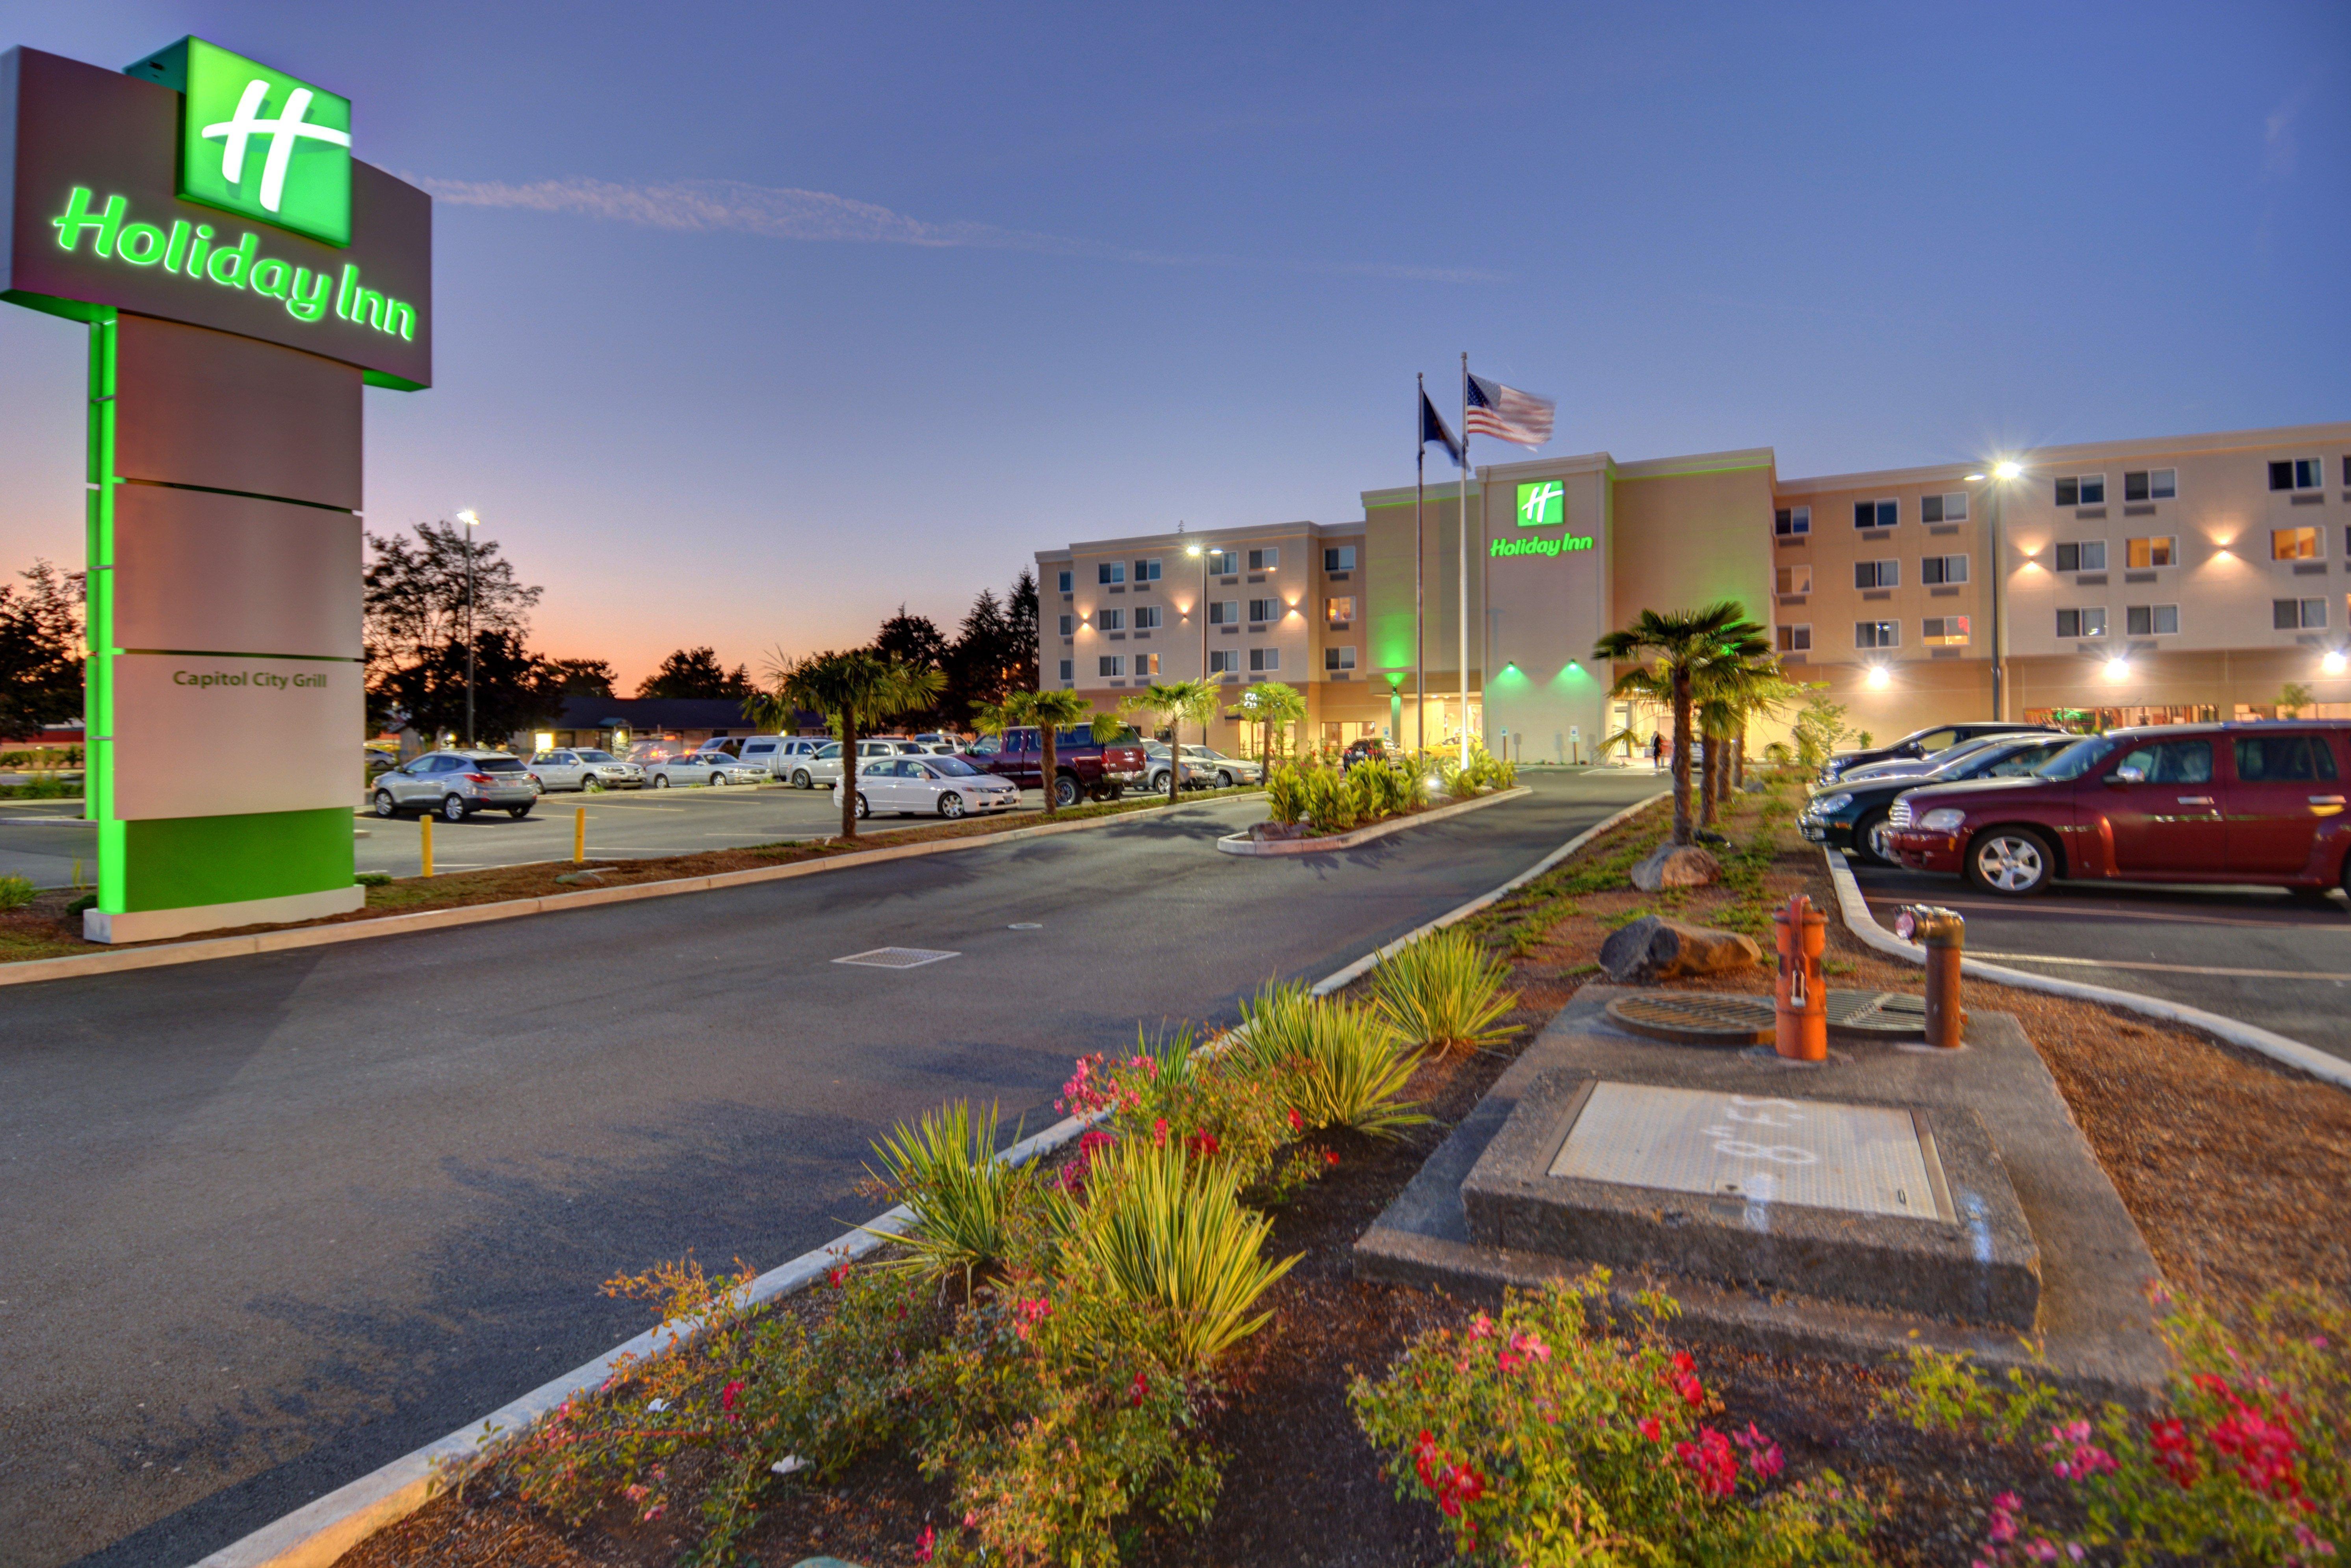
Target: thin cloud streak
(783,213)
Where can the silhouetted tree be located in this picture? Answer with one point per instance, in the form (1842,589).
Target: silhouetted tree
(696,673)
(584,677)
(514,690)
(40,651)
(416,609)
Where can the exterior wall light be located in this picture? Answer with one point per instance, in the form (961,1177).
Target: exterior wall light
(2005,469)
(2333,662)
(1879,678)
(2117,667)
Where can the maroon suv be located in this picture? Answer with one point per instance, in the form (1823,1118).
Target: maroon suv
(2191,803)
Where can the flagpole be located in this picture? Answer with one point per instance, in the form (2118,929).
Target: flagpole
(1462,540)
(1419,558)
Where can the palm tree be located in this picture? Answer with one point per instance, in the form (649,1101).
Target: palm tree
(1049,711)
(1686,642)
(1177,702)
(1275,706)
(854,690)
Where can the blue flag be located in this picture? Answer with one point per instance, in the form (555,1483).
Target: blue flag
(1432,428)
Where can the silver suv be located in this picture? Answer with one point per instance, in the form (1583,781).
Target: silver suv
(584,767)
(456,784)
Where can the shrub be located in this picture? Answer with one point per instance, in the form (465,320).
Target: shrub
(1543,1442)
(2243,1460)
(1330,803)
(15,892)
(1409,785)
(1444,991)
(1170,1092)
(944,1168)
(1364,793)
(1285,793)
(373,879)
(1339,1063)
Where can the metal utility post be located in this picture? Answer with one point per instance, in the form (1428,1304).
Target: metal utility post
(469,519)
(1419,571)
(1461,539)
(1998,596)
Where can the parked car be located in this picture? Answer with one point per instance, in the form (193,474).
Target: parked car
(713,768)
(456,784)
(1918,742)
(1856,816)
(721,745)
(1082,767)
(1369,748)
(2207,802)
(1154,757)
(948,785)
(822,766)
(1917,766)
(1223,771)
(785,757)
(584,767)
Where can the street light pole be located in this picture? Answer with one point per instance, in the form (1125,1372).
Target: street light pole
(2000,474)
(470,520)
(1200,613)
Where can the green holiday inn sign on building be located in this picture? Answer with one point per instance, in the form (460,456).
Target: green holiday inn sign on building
(242,277)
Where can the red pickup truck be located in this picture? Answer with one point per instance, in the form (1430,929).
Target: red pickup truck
(1082,766)
(2259,802)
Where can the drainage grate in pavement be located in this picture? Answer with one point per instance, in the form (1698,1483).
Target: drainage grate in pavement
(1716,1018)
(896,957)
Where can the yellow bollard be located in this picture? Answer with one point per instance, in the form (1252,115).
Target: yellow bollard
(425,823)
(579,835)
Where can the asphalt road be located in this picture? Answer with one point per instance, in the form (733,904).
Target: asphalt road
(2250,952)
(271,1222)
(44,839)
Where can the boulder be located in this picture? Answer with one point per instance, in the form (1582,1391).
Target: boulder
(1677,866)
(1654,949)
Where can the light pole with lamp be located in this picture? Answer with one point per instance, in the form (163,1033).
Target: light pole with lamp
(471,522)
(2000,475)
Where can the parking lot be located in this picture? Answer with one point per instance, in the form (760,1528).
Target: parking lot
(43,839)
(2257,954)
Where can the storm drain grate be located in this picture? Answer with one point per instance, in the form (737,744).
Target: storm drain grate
(896,957)
(1700,1018)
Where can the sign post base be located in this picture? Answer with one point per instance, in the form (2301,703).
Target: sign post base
(160,925)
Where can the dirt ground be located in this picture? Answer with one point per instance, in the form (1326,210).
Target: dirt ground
(2237,1170)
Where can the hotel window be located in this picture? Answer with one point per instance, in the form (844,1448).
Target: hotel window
(2294,544)
(1147,570)
(1065,576)
(1877,574)
(2086,623)
(1944,631)
(1878,633)
(1068,669)
(1224,562)
(2082,490)
(1791,522)
(1224,661)
(1146,663)
(1113,665)
(1876,514)
(1068,626)
(1794,639)
(1340,612)
(1264,559)
(1110,619)
(2151,620)
(1339,558)
(1146,617)
(2141,554)
(1265,658)
(1937,570)
(2297,614)
(1110,571)
(1951,507)
(2299,473)
(2152,485)
(1265,609)
(2088,555)
(1338,658)
(1224,611)
(1795,580)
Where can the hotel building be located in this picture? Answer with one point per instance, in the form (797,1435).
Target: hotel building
(2131,581)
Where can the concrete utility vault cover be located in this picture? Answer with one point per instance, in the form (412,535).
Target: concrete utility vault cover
(1863,1159)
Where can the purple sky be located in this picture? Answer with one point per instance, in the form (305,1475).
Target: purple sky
(755,322)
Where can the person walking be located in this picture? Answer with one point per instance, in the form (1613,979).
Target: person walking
(1657,750)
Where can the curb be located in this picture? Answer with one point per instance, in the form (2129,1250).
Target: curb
(316,1534)
(1864,924)
(163,954)
(1242,845)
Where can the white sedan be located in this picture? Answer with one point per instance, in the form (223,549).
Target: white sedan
(945,785)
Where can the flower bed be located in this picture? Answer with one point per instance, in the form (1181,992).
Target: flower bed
(2233,1167)
(1319,798)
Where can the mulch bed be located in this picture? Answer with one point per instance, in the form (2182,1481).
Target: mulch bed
(2234,1166)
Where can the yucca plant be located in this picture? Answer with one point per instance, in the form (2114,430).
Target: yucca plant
(1286,793)
(1444,991)
(1362,781)
(1408,783)
(944,1168)
(1339,1063)
(1330,804)
(1170,1234)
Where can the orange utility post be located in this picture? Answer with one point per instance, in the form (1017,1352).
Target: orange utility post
(579,835)
(1944,933)
(424,823)
(1802,1015)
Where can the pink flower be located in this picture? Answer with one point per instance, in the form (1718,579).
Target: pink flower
(923,1544)
(1296,1121)
(1027,1314)
(1710,1459)
(729,1395)
(1159,1133)
(1763,1455)
(1653,1429)
(1140,1390)
(1530,1343)
(1481,1327)
(1330,1156)
(1203,1144)
(836,1274)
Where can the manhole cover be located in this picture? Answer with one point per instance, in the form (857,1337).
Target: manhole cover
(896,957)
(1713,1017)
(1863,1159)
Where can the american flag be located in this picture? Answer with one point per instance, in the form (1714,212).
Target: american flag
(1507,412)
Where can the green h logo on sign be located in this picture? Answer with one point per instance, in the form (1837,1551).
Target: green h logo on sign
(1540,503)
(259,142)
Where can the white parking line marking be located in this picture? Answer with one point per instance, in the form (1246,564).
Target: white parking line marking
(2072,911)
(2159,968)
